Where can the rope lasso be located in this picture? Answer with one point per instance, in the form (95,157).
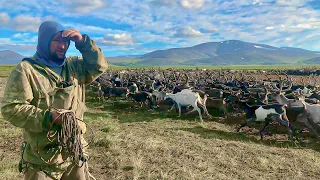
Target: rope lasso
(69,136)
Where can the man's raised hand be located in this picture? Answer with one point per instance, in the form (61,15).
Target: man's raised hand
(73,34)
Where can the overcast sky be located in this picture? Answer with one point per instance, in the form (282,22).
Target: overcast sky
(126,27)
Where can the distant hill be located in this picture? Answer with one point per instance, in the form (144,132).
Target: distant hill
(231,52)
(8,57)
(313,61)
(123,61)
(128,56)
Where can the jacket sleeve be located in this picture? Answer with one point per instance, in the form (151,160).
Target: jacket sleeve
(16,107)
(93,62)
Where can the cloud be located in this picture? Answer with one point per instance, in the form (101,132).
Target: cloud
(5,40)
(21,6)
(148,37)
(115,40)
(4,19)
(83,6)
(158,21)
(25,38)
(269,28)
(34,39)
(91,29)
(26,23)
(295,3)
(18,47)
(210,30)
(190,4)
(257,2)
(21,35)
(159,3)
(304,26)
(187,32)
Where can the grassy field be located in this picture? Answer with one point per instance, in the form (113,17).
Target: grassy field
(5,70)
(134,143)
(231,67)
(235,67)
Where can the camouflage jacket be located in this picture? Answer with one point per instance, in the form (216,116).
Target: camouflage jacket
(30,92)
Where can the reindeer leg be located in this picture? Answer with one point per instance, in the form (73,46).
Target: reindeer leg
(244,124)
(200,116)
(148,103)
(292,132)
(193,110)
(179,110)
(171,108)
(205,107)
(206,112)
(202,104)
(267,122)
(225,112)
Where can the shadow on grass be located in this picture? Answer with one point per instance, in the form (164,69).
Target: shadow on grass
(235,136)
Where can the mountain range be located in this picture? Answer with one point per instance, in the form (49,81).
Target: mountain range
(8,57)
(231,52)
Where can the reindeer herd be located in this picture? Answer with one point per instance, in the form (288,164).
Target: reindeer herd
(266,96)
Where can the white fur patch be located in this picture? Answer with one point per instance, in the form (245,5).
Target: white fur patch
(263,113)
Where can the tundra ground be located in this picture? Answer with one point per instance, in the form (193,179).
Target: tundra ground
(131,143)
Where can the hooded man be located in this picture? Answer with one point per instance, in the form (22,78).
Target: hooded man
(40,89)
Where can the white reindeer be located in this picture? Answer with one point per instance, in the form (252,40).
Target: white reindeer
(185,98)
(159,95)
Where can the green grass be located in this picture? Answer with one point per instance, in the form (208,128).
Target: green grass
(230,67)
(10,142)
(6,70)
(156,144)
(133,143)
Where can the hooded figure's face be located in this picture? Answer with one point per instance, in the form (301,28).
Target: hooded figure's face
(58,47)
(51,48)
